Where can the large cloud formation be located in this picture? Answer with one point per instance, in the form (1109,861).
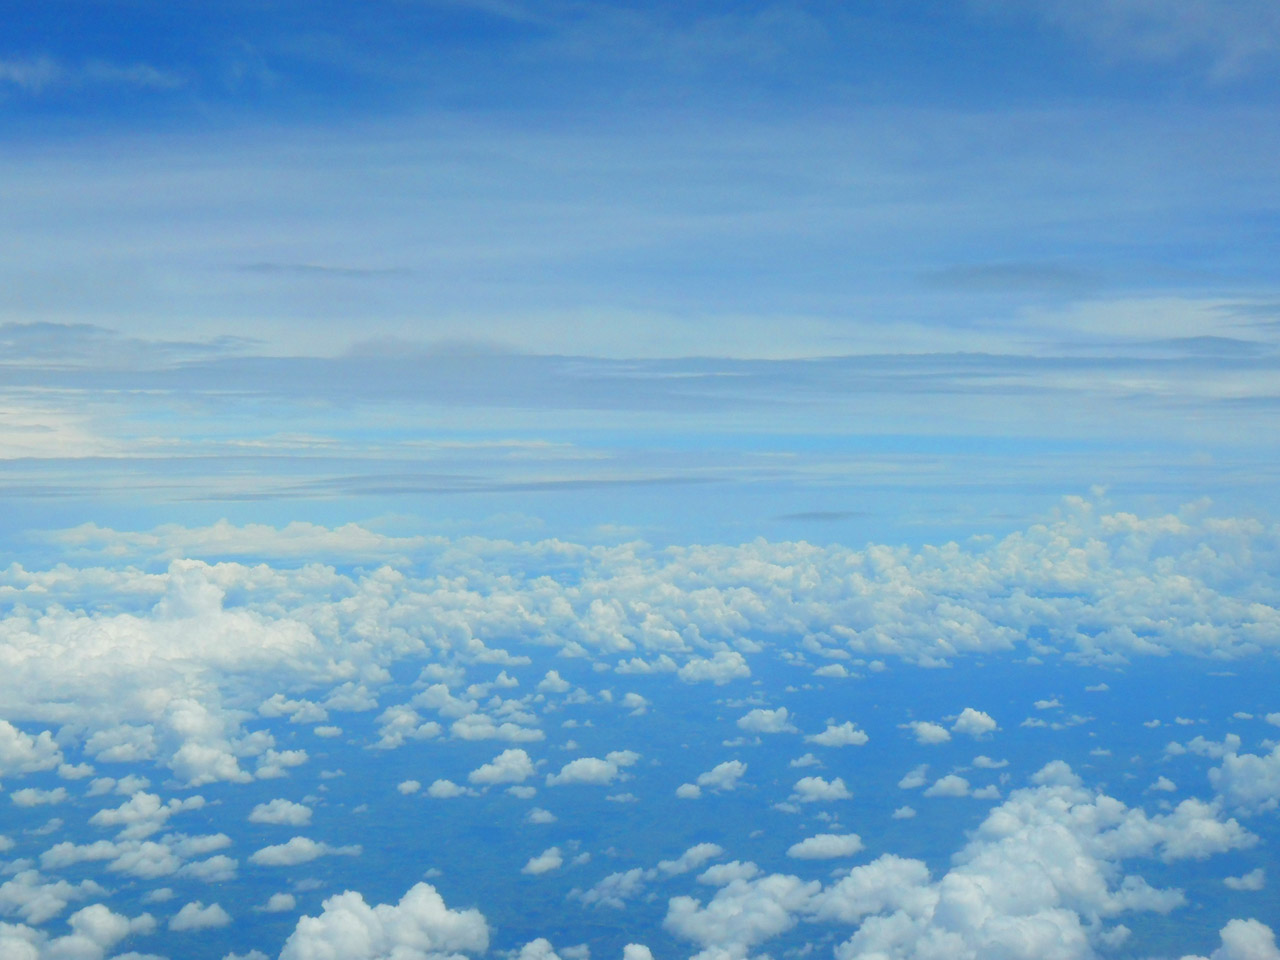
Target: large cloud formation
(162,665)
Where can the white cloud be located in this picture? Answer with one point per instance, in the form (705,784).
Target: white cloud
(691,859)
(826,846)
(928,733)
(23,753)
(298,850)
(1244,940)
(1249,781)
(1253,880)
(844,735)
(408,787)
(949,786)
(973,722)
(446,789)
(419,927)
(760,720)
(510,766)
(818,790)
(279,903)
(196,916)
(545,862)
(724,666)
(538,815)
(742,913)
(916,777)
(593,770)
(281,811)
(723,776)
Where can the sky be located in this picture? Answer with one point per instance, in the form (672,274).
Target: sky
(550,480)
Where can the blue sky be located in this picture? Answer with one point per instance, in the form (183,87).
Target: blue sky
(1033,225)
(563,480)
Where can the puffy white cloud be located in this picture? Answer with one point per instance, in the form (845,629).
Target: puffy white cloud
(916,777)
(691,859)
(538,815)
(949,786)
(23,753)
(973,722)
(419,927)
(36,797)
(1253,880)
(636,951)
(35,899)
(279,903)
(408,787)
(143,814)
(816,789)
(446,790)
(844,735)
(298,850)
(760,720)
(550,859)
(94,930)
(1036,879)
(196,916)
(928,733)
(723,776)
(742,913)
(826,846)
(593,770)
(1244,940)
(1250,782)
(724,666)
(281,811)
(510,766)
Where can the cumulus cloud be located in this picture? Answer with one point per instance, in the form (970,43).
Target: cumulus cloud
(973,722)
(724,666)
(593,770)
(196,916)
(510,766)
(816,789)
(844,735)
(760,720)
(826,846)
(1244,940)
(298,850)
(545,862)
(949,786)
(928,733)
(1253,880)
(419,927)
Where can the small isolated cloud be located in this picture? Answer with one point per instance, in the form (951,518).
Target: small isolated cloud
(904,813)
(446,790)
(949,786)
(281,811)
(593,770)
(279,903)
(196,916)
(545,862)
(986,763)
(1253,880)
(691,859)
(818,790)
(767,721)
(1163,785)
(844,735)
(298,850)
(538,815)
(826,846)
(974,722)
(914,778)
(926,732)
(408,787)
(510,766)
